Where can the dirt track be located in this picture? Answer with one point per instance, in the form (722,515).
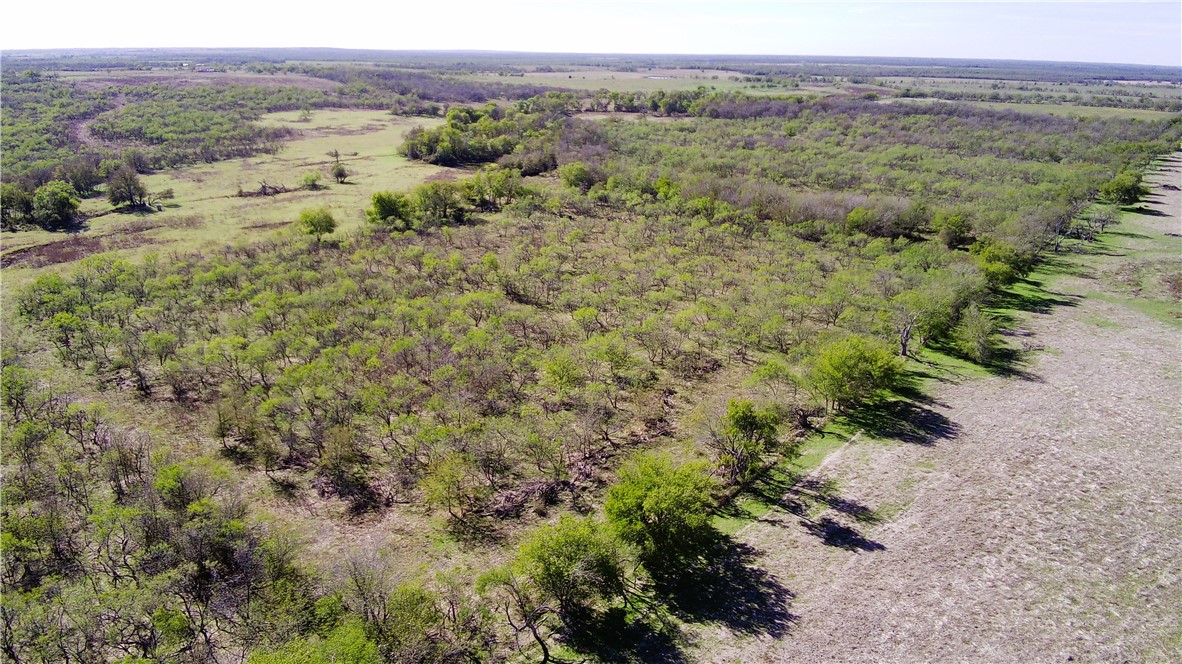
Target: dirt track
(1035,517)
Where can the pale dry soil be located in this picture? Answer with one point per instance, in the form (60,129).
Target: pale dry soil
(1042,520)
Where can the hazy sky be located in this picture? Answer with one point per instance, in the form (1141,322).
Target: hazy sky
(1133,32)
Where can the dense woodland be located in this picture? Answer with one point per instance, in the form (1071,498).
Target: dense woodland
(497,350)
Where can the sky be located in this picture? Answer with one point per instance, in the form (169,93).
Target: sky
(1139,32)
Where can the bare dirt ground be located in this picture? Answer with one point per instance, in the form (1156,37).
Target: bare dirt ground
(1031,517)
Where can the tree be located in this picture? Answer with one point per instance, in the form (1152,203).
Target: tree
(346,644)
(124,188)
(664,511)
(339,172)
(953,228)
(440,203)
(1124,189)
(82,173)
(310,180)
(318,221)
(574,562)
(850,371)
(576,175)
(742,437)
(451,482)
(391,210)
(54,204)
(16,205)
(975,335)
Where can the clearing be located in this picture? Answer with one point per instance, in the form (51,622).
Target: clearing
(1036,515)
(206,213)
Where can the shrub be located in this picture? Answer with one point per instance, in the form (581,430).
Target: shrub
(391,211)
(851,371)
(664,511)
(574,562)
(318,221)
(743,436)
(975,335)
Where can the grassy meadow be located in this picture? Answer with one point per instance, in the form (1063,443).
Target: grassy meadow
(206,212)
(643,80)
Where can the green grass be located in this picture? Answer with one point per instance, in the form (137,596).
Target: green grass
(645,80)
(1055,109)
(765,493)
(206,214)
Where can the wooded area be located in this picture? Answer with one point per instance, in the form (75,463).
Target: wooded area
(510,350)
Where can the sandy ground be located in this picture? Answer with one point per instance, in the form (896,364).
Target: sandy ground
(1038,519)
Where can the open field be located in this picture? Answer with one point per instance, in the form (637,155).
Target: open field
(206,212)
(190,77)
(648,80)
(1036,518)
(1050,109)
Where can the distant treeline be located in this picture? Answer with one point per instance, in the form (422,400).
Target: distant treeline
(1077,72)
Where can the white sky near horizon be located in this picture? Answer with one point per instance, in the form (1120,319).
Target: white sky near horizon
(1140,32)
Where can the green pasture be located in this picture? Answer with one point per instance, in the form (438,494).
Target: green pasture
(207,213)
(645,80)
(1051,109)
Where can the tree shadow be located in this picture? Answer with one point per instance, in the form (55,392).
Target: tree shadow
(612,637)
(833,533)
(814,490)
(1040,302)
(1142,209)
(1011,362)
(1053,264)
(819,490)
(903,420)
(730,589)
(476,529)
(285,488)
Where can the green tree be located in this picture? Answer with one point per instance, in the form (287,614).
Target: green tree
(850,371)
(54,204)
(742,437)
(440,203)
(953,228)
(1124,189)
(16,205)
(318,222)
(452,482)
(391,210)
(346,644)
(125,188)
(664,511)
(975,336)
(575,562)
(576,175)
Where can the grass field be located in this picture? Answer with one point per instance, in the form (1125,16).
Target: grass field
(645,80)
(183,78)
(1052,109)
(206,212)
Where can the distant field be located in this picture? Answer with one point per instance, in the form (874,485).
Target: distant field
(1163,90)
(174,77)
(1053,109)
(207,213)
(645,80)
